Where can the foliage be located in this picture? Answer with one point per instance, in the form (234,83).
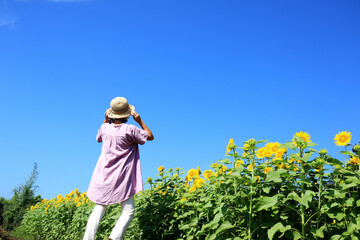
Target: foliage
(13,210)
(3,202)
(274,191)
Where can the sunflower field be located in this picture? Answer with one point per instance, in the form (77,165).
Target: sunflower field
(263,190)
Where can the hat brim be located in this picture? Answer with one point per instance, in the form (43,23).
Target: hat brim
(111,114)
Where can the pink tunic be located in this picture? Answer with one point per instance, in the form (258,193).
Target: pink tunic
(117,175)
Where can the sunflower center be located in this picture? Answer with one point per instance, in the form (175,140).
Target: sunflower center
(342,138)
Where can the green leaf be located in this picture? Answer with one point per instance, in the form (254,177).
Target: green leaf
(320,231)
(308,197)
(307,156)
(335,237)
(287,145)
(349,185)
(352,227)
(348,153)
(310,144)
(349,202)
(221,178)
(184,226)
(194,221)
(207,205)
(225,160)
(211,237)
(294,155)
(313,150)
(352,179)
(304,200)
(267,190)
(266,202)
(234,174)
(185,214)
(293,234)
(218,216)
(298,140)
(275,176)
(279,227)
(224,226)
(297,235)
(338,214)
(339,194)
(211,225)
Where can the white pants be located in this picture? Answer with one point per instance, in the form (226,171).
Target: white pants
(127,213)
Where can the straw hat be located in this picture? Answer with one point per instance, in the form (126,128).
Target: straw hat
(120,108)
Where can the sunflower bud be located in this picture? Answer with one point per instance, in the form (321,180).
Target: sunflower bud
(251,142)
(337,166)
(356,148)
(320,161)
(323,152)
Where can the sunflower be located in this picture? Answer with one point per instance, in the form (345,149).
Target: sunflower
(192,173)
(192,189)
(199,182)
(267,170)
(267,153)
(283,166)
(160,169)
(260,152)
(319,169)
(273,146)
(214,165)
(342,138)
(354,160)
(279,153)
(239,162)
(230,145)
(246,147)
(303,135)
(207,174)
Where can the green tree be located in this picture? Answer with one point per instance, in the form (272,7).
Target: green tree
(14,209)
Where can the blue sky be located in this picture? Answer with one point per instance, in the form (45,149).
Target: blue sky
(198,72)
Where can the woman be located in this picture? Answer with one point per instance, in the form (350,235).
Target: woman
(117,175)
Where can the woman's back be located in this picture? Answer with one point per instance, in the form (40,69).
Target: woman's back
(117,174)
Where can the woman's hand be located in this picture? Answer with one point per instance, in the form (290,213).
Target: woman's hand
(136,116)
(106,115)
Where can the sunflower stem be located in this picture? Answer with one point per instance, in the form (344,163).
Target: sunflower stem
(235,181)
(302,210)
(251,193)
(345,157)
(319,202)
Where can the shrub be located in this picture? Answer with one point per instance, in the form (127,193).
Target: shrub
(13,210)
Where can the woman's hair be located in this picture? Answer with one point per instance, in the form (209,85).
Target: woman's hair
(122,120)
